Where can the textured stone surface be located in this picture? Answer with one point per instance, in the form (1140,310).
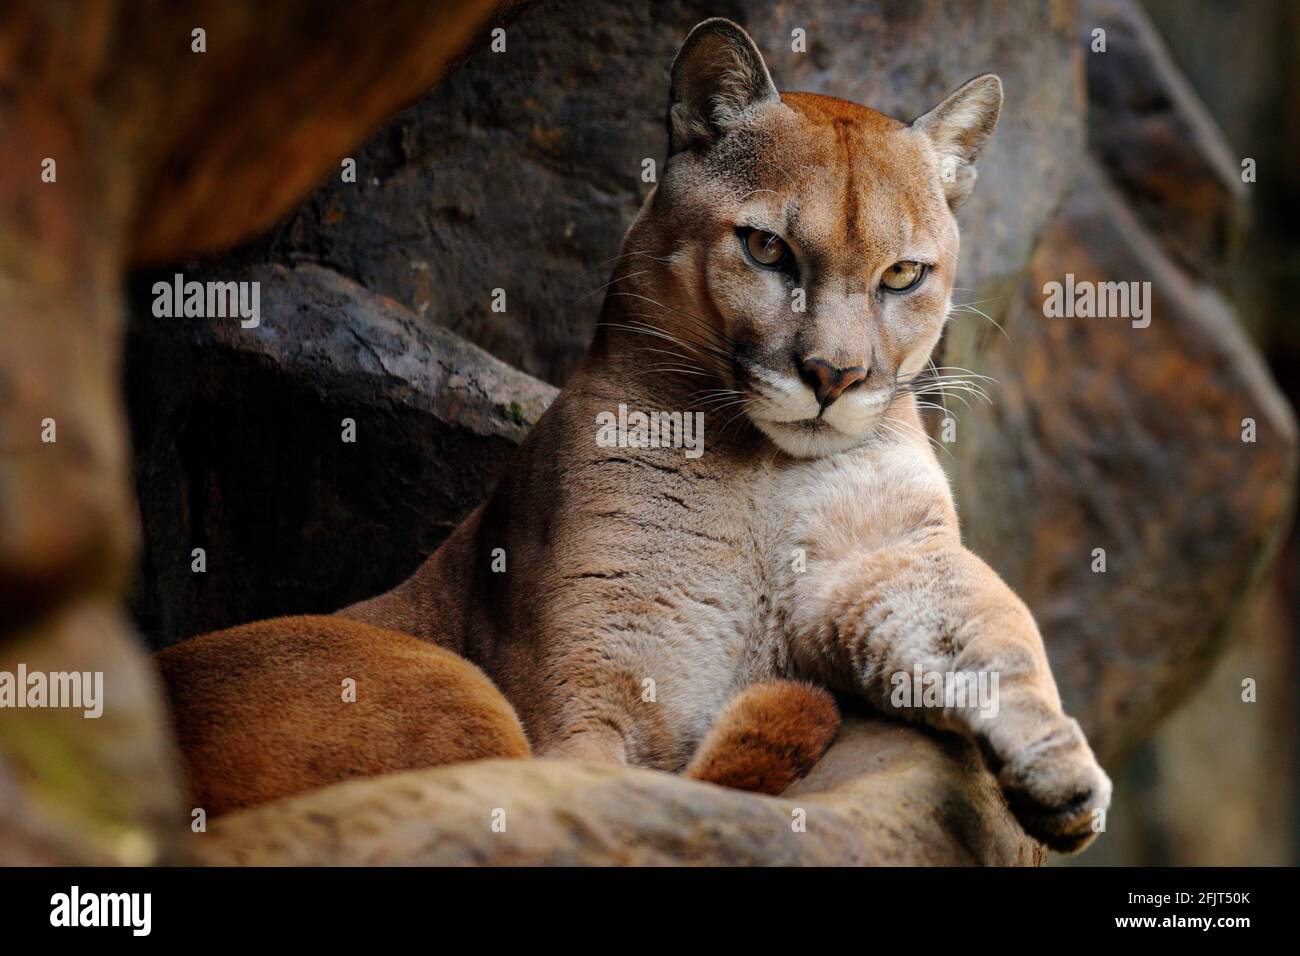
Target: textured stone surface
(282,93)
(239,448)
(884,794)
(1218,758)
(1215,785)
(1103,435)
(523,170)
(1128,439)
(1158,143)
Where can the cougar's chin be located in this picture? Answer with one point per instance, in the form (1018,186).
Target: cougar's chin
(806,438)
(788,413)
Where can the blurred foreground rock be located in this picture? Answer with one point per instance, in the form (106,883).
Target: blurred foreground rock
(883,795)
(130,132)
(98,790)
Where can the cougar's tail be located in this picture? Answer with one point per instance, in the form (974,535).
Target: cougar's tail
(767,737)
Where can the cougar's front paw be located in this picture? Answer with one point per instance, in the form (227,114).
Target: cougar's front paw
(1057,790)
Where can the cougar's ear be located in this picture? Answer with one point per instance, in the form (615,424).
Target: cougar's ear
(717,75)
(958,128)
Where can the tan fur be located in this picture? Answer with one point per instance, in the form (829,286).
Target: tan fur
(767,737)
(259,714)
(644,590)
(259,710)
(628,565)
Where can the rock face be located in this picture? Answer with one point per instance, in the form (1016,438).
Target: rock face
(1166,448)
(523,170)
(1220,758)
(433,420)
(1159,145)
(1159,444)
(883,794)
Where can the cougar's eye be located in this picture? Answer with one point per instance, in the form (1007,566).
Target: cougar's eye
(767,249)
(902,276)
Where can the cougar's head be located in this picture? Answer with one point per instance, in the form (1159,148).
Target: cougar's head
(805,244)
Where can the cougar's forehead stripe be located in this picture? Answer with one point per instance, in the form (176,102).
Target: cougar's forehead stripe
(850,146)
(826,110)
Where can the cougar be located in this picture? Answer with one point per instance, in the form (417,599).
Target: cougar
(637,602)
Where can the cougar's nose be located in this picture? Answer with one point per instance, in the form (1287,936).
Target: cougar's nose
(828,382)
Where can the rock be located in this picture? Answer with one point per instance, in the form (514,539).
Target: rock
(120,144)
(232,138)
(523,170)
(98,790)
(1221,756)
(240,450)
(1217,782)
(1130,440)
(884,794)
(1158,143)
